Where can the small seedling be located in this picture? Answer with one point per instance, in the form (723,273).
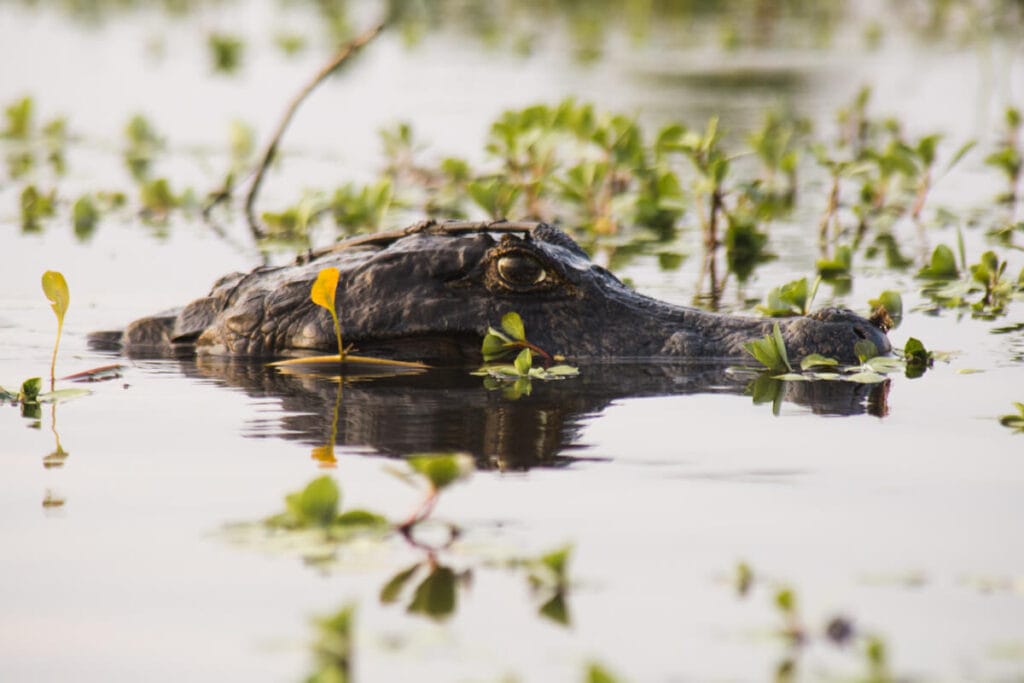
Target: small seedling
(323,294)
(56,290)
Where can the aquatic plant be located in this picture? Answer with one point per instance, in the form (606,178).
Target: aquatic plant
(839,632)
(1009,157)
(55,287)
(322,294)
(513,379)
(334,646)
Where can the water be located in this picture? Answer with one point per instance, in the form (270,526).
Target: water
(894,506)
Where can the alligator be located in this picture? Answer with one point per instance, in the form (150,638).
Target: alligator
(430,291)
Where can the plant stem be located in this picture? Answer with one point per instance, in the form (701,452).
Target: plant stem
(337,334)
(53,359)
(270,152)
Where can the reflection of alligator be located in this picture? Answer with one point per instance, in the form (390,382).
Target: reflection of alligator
(430,291)
(442,410)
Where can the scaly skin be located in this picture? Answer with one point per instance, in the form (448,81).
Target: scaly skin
(430,292)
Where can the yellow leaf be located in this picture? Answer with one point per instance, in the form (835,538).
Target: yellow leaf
(55,287)
(324,288)
(322,294)
(56,290)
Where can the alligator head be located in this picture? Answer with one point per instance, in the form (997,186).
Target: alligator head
(429,293)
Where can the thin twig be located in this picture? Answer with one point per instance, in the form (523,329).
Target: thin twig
(271,151)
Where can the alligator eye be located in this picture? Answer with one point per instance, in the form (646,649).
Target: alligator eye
(521,270)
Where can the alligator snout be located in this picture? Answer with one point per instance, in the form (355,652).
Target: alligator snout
(835,333)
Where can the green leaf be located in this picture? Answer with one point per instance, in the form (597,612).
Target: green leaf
(838,266)
(556,609)
(360,518)
(865,350)
(393,588)
(885,364)
(493,347)
(512,324)
(598,674)
(770,351)
(557,561)
(892,302)
(317,504)
(916,357)
(30,390)
(84,216)
(865,377)
(960,154)
(62,395)
(523,362)
(560,371)
(942,265)
(442,469)
(435,596)
(785,600)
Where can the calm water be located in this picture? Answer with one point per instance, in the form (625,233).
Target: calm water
(897,506)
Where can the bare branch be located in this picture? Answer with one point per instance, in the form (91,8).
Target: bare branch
(271,151)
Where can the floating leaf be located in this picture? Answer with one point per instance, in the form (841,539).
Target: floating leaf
(865,377)
(62,395)
(816,360)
